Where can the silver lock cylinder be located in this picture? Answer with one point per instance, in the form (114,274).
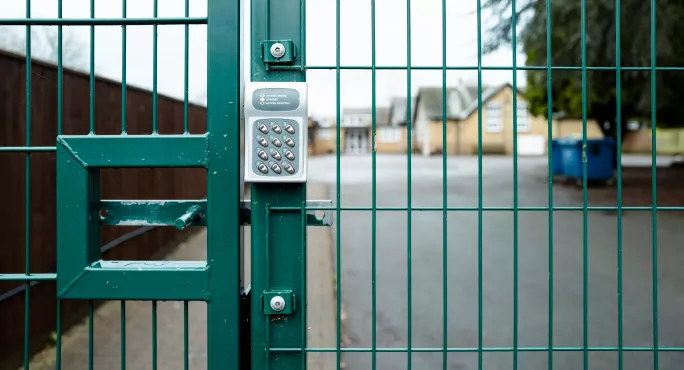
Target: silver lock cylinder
(277,303)
(277,50)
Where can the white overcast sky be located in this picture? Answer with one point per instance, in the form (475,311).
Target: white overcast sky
(391,46)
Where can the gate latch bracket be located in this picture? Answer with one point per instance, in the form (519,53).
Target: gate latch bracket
(278,51)
(280,302)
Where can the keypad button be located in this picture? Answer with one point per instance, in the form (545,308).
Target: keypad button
(276,155)
(276,128)
(262,154)
(276,168)
(276,142)
(289,155)
(290,129)
(262,141)
(288,167)
(262,167)
(289,142)
(263,128)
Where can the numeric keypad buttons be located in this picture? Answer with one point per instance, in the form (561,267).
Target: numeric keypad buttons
(262,141)
(288,154)
(262,167)
(276,155)
(275,147)
(276,168)
(288,167)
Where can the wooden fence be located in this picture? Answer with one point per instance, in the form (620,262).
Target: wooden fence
(129,243)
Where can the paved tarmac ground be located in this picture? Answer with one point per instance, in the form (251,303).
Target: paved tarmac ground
(420,310)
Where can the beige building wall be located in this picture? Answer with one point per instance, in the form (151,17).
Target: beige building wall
(463,138)
(324,144)
(382,145)
(668,142)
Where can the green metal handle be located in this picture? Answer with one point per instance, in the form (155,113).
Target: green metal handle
(188,217)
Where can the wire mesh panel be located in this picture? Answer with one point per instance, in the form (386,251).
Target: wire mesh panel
(160,144)
(449,257)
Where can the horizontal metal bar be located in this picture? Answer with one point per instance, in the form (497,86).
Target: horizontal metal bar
(318,212)
(496,68)
(484,349)
(29,277)
(148,212)
(100,21)
(27,149)
(141,280)
(166,212)
(111,151)
(118,241)
(461,209)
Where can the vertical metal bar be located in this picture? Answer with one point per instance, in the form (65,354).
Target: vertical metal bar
(445,263)
(186,357)
(374,199)
(302,251)
(58,333)
(185,71)
(27,211)
(408,193)
(479,184)
(91,334)
(123,69)
(338,192)
(549,112)
(60,71)
(267,14)
(585,238)
(123,335)
(154,68)
(618,121)
(302,35)
(223,185)
(92,69)
(154,335)
(654,183)
(515,182)
(267,277)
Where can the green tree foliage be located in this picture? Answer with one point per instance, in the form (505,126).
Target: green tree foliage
(566,51)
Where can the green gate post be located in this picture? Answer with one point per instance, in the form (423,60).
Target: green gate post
(224,189)
(278,236)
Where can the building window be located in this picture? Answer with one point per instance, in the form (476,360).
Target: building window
(523,118)
(324,134)
(389,134)
(494,117)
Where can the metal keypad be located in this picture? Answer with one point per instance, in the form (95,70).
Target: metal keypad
(276,147)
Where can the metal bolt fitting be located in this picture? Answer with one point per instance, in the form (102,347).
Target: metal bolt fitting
(277,50)
(277,303)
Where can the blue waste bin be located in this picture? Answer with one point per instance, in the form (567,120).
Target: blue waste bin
(557,155)
(600,158)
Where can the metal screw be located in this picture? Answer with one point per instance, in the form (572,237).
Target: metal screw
(277,303)
(277,50)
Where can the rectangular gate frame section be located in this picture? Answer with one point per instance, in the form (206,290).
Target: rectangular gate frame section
(81,274)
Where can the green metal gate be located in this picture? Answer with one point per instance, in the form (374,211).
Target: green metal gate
(278,213)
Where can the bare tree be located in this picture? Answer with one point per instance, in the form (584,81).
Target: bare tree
(45,45)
